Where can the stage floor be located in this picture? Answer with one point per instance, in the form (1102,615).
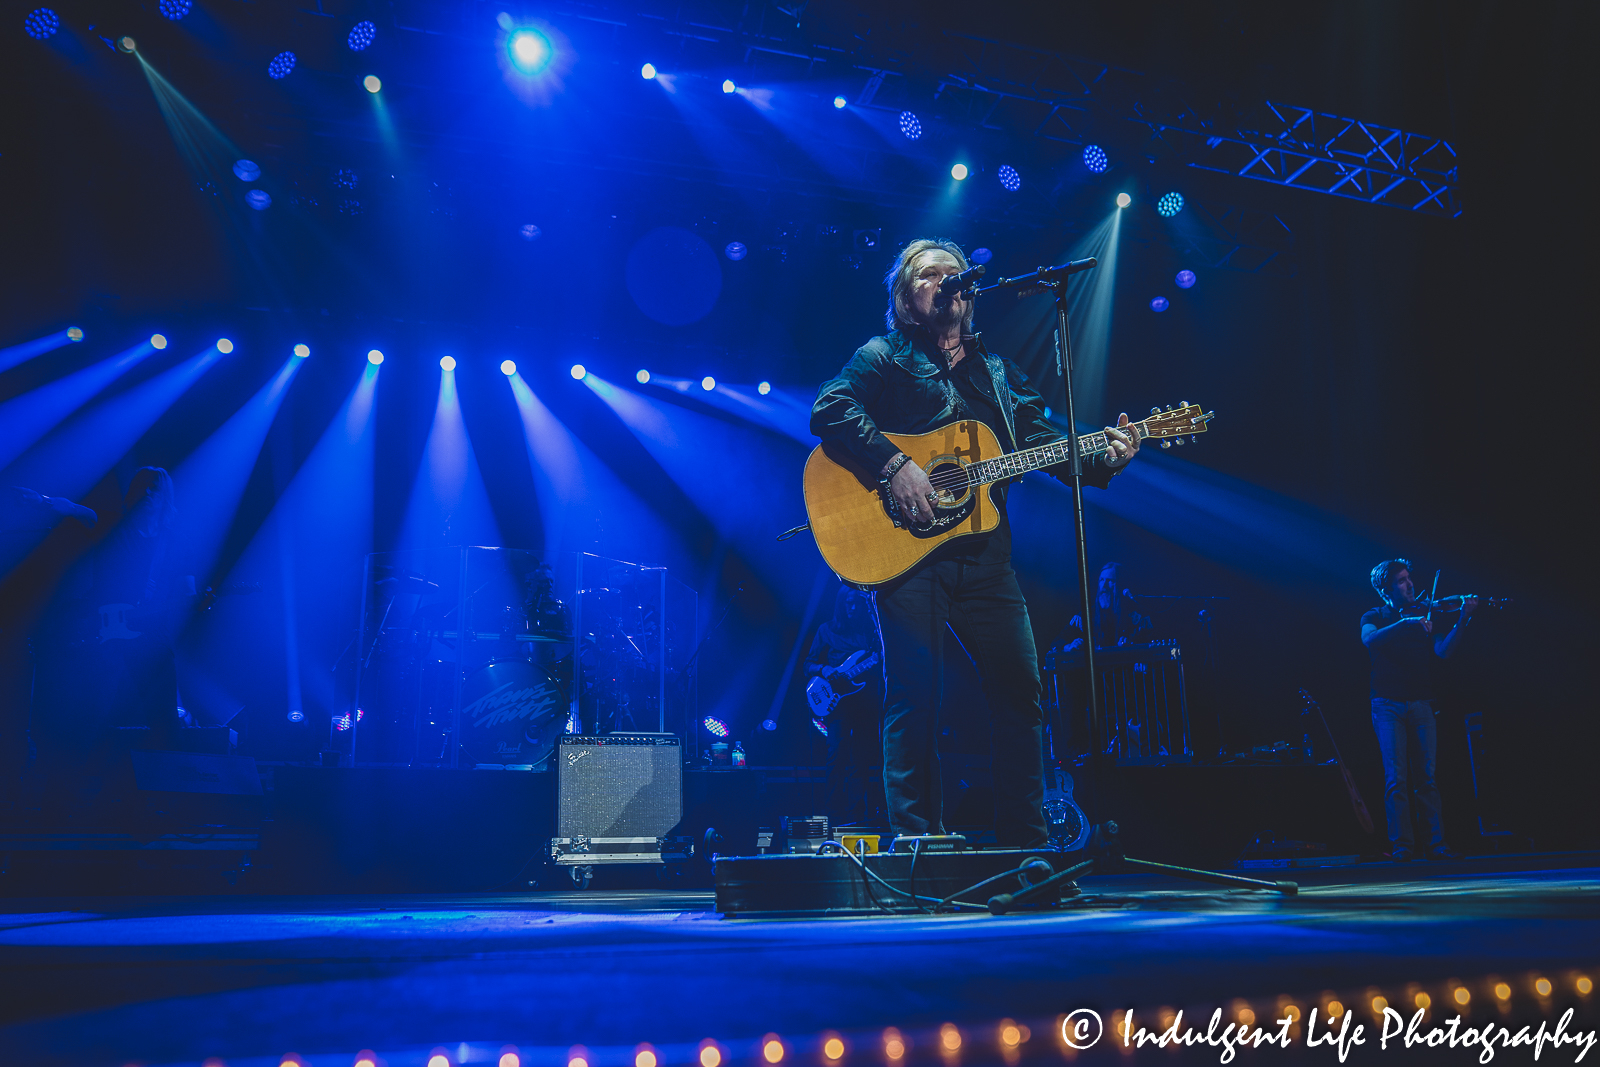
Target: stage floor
(251,980)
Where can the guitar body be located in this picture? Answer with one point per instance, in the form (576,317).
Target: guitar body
(824,694)
(854,525)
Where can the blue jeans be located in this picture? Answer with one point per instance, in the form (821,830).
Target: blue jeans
(1409,741)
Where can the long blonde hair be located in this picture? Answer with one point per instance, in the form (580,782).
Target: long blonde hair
(900,279)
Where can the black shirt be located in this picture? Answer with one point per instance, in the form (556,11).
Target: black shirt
(1402,663)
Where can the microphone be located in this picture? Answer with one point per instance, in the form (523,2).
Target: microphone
(957,283)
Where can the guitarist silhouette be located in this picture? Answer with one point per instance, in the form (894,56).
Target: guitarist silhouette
(844,695)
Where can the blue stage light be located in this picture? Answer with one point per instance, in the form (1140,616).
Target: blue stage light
(372,83)
(1169,205)
(736,250)
(447,363)
(224,345)
(648,71)
(1094,157)
(530,232)
(1010,178)
(41,23)
(822,727)
(158,341)
(362,34)
(127,44)
(769,724)
(708,383)
(910,125)
(508,367)
(302,351)
(296,715)
(715,726)
(530,51)
(281,65)
(374,357)
(258,199)
(1159,304)
(74,333)
(839,101)
(728,86)
(174,9)
(246,170)
(1123,199)
(643,377)
(1185,279)
(980,255)
(764,388)
(959,172)
(578,372)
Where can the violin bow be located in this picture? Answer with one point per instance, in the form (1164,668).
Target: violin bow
(1433,596)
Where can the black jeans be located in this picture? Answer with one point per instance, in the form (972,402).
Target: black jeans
(979,599)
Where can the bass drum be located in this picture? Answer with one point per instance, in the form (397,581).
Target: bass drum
(511,714)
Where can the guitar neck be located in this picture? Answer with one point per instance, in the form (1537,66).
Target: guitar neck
(1016,464)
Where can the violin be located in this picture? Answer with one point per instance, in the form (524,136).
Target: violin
(1429,605)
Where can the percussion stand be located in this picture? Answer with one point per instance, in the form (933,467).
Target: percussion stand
(1105,849)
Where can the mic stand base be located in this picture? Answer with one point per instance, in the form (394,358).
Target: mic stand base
(1106,857)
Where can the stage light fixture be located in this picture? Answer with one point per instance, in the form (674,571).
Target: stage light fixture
(1123,199)
(281,65)
(374,357)
(1159,304)
(839,102)
(1185,279)
(648,71)
(158,341)
(1169,205)
(578,372)
(362,34)
(447,362)
(728,86)
(910,125)
(715,726)
(508,367)
(296,715)
(372,83)
(1009,178)
(246,170)
(959,172)
(530,232)
(224,345)
(1095,158)
(980,255)
(174,9)
(127,44)
(74,333)
(259,199)
(530,51)
(41,23)
(643,377)
(708,383)
(764,388)
(736,250)
(302,351)
(769,724)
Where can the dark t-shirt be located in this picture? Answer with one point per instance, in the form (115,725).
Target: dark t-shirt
(1402,664)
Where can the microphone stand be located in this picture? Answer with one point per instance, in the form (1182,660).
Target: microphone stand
(1104,850)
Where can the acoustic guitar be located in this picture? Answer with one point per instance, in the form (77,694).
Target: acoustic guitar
(858,525)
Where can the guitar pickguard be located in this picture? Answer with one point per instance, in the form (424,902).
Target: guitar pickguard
(956,499)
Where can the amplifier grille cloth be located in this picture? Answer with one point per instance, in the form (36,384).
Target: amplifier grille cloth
(620,785)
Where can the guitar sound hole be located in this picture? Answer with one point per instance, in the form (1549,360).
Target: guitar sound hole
(950,481)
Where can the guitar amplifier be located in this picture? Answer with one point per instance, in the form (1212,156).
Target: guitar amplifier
(618,785)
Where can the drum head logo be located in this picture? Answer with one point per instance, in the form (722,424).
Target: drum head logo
(510,703)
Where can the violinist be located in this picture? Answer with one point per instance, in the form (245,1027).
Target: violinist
(1402,642)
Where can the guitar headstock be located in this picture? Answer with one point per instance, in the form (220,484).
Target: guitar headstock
(1176,423)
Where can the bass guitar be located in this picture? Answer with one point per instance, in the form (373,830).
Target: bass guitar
(858,525)
(824,692)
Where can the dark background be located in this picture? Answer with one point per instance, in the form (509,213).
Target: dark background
(1396,384)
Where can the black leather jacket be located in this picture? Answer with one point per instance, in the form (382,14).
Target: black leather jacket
(891,384)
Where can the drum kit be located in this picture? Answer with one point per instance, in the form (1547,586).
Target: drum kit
(471,659)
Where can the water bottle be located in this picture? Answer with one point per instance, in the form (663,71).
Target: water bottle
(738,753)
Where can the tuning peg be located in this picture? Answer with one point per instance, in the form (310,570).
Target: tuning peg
(1183,403)
(1169,407)
(1166,444)
(1155,411)
(1179,441)
(1195,438)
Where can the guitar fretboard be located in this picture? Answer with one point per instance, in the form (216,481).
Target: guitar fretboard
(1016,464)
